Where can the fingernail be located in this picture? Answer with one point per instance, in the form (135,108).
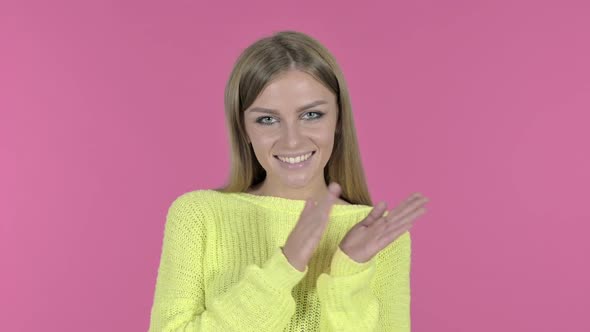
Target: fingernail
(333,187)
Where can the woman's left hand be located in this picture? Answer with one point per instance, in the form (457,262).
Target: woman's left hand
(375,232)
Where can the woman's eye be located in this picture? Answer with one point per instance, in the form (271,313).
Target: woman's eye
(261,119)
(319,115)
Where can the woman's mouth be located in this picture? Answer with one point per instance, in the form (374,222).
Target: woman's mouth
(295,163)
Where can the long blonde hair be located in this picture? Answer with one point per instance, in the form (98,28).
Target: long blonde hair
(254,69)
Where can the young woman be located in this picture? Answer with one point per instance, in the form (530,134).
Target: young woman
(292,242)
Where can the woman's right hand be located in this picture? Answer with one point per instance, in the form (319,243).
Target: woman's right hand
(307,233)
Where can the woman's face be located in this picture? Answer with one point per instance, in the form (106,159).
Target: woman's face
(294,115)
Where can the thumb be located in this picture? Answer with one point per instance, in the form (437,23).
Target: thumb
(375,214)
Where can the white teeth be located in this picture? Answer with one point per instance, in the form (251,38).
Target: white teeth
(296,159)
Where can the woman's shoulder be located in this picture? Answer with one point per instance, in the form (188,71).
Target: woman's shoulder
(199,196)
(195,209)
(199,201)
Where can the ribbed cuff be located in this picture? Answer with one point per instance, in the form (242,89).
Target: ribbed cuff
(281,273)
(343,265)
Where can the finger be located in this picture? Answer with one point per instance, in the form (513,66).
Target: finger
(414,202)
(405,220)
(334,188)
(394,230)
(379,225)
(405,203)
(325,205)
(375,214)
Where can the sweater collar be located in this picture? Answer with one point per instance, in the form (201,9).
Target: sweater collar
(296,205)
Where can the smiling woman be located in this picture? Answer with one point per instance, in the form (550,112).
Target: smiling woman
(304,135)
(287,96)
(256,254)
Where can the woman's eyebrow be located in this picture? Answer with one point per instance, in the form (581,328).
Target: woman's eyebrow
(300,109)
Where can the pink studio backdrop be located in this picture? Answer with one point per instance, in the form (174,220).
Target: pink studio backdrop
(111,109)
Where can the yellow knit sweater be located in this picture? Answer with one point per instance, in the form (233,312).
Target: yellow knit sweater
(222,269)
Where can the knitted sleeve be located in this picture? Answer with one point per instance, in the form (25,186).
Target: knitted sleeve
(260,301)
(366,296)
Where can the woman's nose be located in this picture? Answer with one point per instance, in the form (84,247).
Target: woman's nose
(291,133)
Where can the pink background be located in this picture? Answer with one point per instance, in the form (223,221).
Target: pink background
(111,109)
